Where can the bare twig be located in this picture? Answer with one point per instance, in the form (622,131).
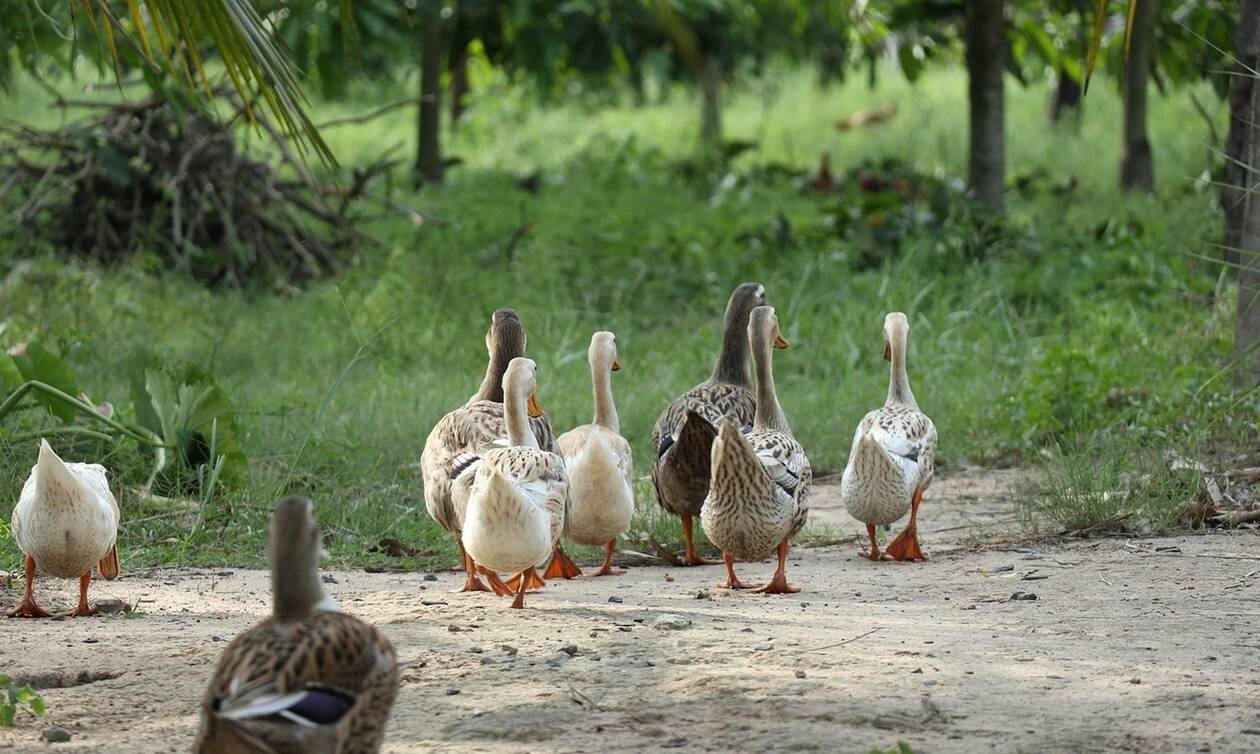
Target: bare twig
(346,120)
(842,643)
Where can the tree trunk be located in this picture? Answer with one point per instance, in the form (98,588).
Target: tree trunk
(986,53)
(1247,320)
(429,150)
(1066,100)
(459,84)
(1238,142)
(710,111)
(1137,168)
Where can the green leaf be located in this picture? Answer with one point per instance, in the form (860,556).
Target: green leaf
(6,715)
(37,705)
(10,377)
(39,364)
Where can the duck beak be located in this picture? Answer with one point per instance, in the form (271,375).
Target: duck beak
(887,352)
(781,342)
(616,367)
(535,410)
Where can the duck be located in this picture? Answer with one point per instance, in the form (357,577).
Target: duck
(458,438)
(893,456)
(599,463)
(308,679)
(518,496)
(65,523)
(761,478)
(684,432)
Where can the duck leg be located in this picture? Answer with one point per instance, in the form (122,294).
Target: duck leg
(779,584)
(471,582)
(496,583)
(608,570)
(906,545)
(27,607)
(522,580)
(691,558)
(82,611)
(732,582)
(561,567)
(532,580)
(873,553)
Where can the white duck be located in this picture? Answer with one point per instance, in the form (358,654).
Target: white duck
(518,496)
(599,464)
(757,496)
(893,455)
(66,522)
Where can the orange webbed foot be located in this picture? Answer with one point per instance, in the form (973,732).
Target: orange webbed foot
(905,546)
(778,585)
(28,609)
(732,582)
(496,583)
(561,567)
(473,584)
(532,580)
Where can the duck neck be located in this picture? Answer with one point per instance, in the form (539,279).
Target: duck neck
(492,384)
(605,409)
(769,414)
(732,362)
(516,416)
(898,381)
(296,588)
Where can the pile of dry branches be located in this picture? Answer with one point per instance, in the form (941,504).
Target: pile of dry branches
(149,178)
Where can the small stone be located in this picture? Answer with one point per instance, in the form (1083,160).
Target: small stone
(674,743)
(90,640)
(670,622)
(1023,596)
(569,649)
(455,629)
(328,578)
(476,650)
(800,674)
(746,630)
(615,600)
(452,692)
(508,649)
(764,647)
(217,638)
(704,594)
(430,577)
(967,607)
(1003,568)
(432,603)
(1135,681)
(55,734)
(668,577)
(917,670)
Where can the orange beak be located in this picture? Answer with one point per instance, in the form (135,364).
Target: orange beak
(887,352)
(616,367)
(781,342)
(535,410)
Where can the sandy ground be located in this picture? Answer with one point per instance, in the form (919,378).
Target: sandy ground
(1130,645)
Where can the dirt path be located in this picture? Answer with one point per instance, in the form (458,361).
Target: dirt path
(1130,645)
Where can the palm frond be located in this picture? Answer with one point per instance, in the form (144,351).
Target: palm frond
(257,65)
(1095,38)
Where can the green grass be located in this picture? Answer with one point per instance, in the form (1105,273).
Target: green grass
(1019,332)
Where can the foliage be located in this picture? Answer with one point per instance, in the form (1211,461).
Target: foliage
(164,40)
(15,697)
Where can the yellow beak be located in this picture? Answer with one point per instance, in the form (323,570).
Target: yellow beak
(616,367)
(781,342)
(535,410)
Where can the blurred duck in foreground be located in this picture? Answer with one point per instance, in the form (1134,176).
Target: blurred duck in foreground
(309,679)
(757,498)
(599,464)
(893,456)
(462,435)
(685,431)
(66,523)
(518,496)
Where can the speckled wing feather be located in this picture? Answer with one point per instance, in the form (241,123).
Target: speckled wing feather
(785,463)
(327,650)
(907,434)
(682,445)
(540,476)
(471,429)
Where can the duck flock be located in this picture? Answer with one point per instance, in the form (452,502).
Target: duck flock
(496,477)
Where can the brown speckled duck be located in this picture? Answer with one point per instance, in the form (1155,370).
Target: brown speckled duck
(893,456)
(309,679)
(757,496)
(684,433)
(463,434)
